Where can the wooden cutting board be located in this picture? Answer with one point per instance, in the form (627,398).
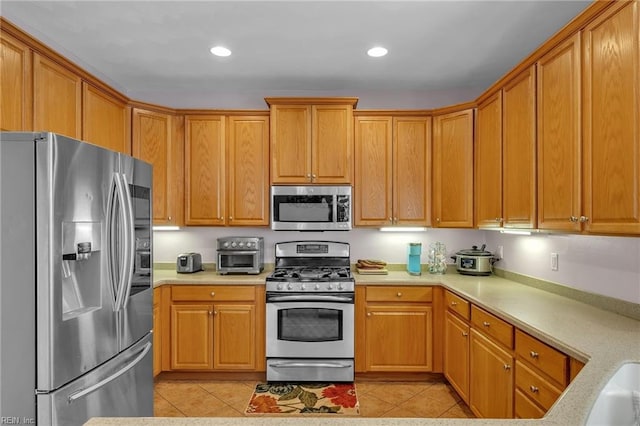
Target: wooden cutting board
(372,271)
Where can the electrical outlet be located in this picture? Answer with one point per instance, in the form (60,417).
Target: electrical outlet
(500,252)
(554,261)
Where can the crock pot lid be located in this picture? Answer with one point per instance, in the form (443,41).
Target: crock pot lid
(474,251)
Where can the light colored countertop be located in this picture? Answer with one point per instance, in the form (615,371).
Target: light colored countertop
(604,339)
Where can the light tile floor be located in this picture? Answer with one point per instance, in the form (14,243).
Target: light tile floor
(181,398)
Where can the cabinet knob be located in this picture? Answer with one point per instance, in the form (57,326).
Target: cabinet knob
(498,219)
(210,313)
(313,176)
(534,389)
(230,217)
(584,219)
(213,293)
(399,294)
(215,312)
(506,367)
(533,354)
(368,314)
(221,217)
(573,219)
(486,324)
(465,334)
(438,219)
(169,218)
(454,303)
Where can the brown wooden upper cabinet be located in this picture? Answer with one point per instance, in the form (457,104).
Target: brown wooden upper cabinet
(453,170)
(488,162)
(392,164)
(519,151)
(227,170)
(559,158)
(311,140)
(57,102)
(611,121)
(106,120)
(156,141)
(16,85)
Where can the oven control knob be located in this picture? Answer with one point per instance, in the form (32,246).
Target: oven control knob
(233,244)
(249,244)
(290,286)
(279,286)
(240,244)
(226,244)
(330,286)
(303,287)
(317,286)
(340,286)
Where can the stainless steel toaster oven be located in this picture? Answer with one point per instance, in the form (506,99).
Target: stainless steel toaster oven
(240,255)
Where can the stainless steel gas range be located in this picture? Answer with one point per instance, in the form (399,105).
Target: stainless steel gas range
(310,313)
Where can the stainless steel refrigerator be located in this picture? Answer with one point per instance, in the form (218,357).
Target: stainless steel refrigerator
(75,281)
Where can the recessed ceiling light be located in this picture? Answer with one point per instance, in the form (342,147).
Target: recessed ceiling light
(377,51)
(220,51)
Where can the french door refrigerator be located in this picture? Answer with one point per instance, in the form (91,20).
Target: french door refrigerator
(75,308)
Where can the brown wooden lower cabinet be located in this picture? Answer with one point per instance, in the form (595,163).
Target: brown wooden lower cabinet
(456,354)
(491,384)
(216,328)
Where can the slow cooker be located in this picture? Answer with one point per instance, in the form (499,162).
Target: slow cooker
(475,261)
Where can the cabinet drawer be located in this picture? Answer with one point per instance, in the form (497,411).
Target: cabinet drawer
(457,304)
(547,359)
(535,387)
(525,408)
(492,326)
(399,294)
(212,293)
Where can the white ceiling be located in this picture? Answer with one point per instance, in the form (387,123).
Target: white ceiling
(440,52)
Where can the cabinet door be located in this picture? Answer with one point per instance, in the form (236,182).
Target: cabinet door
(16,96)
(611,121)
(154,143)
(205,170)
(248,170)
(57,102)
(234,342)
(411,170)
(332,144)
(453,170)
(399,338)
(519,151)
(105,120)
(191,337)
(291,144)
(488,163)
(559,156)
(456,354)
(373,171)
(491,385)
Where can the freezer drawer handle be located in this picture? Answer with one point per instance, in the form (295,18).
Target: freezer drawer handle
(101,383)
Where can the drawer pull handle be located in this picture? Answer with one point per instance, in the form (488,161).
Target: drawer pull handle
(534,389)
(507,367)
(465,334)
(486,324)
(533,354)
(454,303)
(399,294)
(213,293)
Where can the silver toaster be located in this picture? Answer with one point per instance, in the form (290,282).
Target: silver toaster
(188,263)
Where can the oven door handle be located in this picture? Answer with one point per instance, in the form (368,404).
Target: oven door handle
(310,298)
(308,364)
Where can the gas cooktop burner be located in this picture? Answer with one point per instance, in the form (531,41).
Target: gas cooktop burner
(310,274)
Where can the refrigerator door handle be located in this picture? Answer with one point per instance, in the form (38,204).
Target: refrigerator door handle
(77,395)
(130,242)
(126,273)
(111,220)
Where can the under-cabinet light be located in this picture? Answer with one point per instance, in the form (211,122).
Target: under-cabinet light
(166,228)
(403,229)
(515,232)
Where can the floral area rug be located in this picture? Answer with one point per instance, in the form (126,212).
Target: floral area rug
(304,398)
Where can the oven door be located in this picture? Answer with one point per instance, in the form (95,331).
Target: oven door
(318,325)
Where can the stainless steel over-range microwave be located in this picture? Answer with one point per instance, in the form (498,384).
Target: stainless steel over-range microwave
(311,208)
